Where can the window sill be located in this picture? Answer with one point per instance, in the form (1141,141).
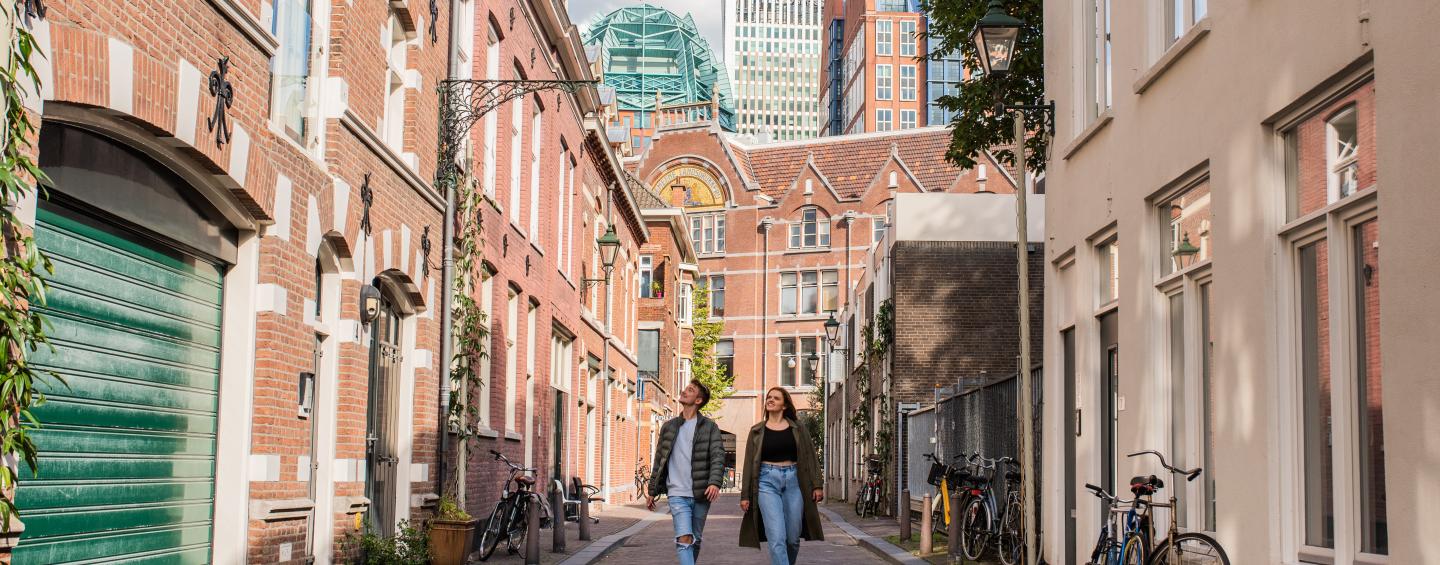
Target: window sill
(244,21)
(513,436)
(487,433)
(1173,54)
(1087,134)
(806,250)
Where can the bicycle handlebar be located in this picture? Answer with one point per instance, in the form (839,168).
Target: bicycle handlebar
(1190,474)
(501,457)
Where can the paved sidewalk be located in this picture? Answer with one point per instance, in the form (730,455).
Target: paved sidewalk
(655,545)
(612,522)
(882,533)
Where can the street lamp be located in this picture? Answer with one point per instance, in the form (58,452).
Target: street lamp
(609,248)
(995,36)
(832,329)
(1185,253)
(814,362)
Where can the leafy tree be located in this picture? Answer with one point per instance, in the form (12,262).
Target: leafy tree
(977,126)
(703,365)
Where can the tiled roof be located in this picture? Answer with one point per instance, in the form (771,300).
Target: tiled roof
(850,162)
(645,199)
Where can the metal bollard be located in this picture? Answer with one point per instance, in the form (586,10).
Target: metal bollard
(557,521)
(532,534)
(954,533)
(905,515)
(584,514)
(927,528)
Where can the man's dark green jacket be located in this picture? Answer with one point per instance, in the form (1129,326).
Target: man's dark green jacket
(707,459)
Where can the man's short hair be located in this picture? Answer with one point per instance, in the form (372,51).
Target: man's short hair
(704,392)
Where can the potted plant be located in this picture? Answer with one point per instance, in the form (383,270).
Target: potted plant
(451,530)
(656,290)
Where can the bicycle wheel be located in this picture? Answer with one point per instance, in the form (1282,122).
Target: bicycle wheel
(515,542)
(974,528)
(495,528)
(937,520)
(860,501)
(1134,550)
(1009,544)
(1191,548)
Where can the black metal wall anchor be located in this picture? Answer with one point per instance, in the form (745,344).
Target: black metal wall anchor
(33,9)
(425,249)
(367,197)
(224,94)
(434,17)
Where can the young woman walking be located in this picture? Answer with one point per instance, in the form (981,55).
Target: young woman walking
(782,483)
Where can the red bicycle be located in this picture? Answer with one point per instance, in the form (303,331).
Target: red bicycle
(872,492)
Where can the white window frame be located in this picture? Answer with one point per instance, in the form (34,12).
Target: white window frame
(308,136)
(884,119)
(884,82)
(908,78)
(512,329)
(567,165)
(907,38)
(492,72)
(822,229)
(562,370)
(884,37)
(908,118)
(710,299)
(537,128)
(1097,84)
(683,304)
(646,279)
(517,132)
(1334,224)
(487,305)
(396,65)
(1178,16)
(1337,158)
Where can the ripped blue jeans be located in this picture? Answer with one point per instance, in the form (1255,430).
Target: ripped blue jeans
(688,515)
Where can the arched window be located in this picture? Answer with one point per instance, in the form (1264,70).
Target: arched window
(811,230)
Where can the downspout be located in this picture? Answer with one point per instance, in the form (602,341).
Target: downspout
(765,224)
(845,394)
(447,277)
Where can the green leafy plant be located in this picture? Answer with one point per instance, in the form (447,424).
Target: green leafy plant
(23,267)
(449,510)
(976,126)
(703,365)
(409,546)
(468,322)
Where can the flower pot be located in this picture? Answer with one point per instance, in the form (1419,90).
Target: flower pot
(450,541)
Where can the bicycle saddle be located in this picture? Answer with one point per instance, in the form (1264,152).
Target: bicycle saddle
(1146,484)
(524,480)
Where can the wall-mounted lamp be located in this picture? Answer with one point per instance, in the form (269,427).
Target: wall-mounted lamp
(305,394)
(369,303)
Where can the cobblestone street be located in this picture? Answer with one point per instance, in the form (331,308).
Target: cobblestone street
(655,545)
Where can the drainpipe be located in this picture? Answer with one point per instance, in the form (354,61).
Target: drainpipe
(845,395)
(765,224)
(447,277)
(605,425)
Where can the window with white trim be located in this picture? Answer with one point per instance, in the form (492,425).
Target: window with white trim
(884,37)
(648,284)
(1097,57)
(809,292)
(907,83)
(562,367)
(536,135)
(1185,228)
(292,107)
(907,38)
(1180,16)
(397,45)
(517,126)
(907,119)
(795,361)
(884,119)
(883,78)
(707,232)
(879,224)
(512,331)
(811,230)
(1342,155)
(715,285)
(683,304)
(487,306)
(492,72)
(1333,341)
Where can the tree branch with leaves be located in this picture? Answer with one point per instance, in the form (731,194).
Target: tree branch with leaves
(704,367)
(977,125)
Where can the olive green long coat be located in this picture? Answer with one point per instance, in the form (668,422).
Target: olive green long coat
(752,528)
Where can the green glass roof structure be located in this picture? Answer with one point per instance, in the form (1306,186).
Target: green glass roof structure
(646,49)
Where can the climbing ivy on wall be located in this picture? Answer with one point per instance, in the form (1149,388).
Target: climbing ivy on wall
(471,333)
(23,268)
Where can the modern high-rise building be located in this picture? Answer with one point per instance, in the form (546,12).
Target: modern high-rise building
(875,76)
(656,59)
(772,48)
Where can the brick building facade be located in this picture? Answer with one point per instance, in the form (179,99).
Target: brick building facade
(784,228)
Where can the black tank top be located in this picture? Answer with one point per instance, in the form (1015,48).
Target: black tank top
(778,447)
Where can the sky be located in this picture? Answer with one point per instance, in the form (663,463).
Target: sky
(706,14)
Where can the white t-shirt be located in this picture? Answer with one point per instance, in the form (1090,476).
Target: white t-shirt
(678,481)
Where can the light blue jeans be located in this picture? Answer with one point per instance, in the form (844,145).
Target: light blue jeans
(782,509)
(688,516)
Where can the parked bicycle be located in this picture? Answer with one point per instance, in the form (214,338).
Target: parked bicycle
(642,478)
(508,520)
(867,501)
(983,521)
(949,478)
(1178,548)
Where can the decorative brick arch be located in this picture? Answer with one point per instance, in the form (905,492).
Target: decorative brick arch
(703,172)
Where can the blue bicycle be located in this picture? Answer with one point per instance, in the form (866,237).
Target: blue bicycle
(1124,537)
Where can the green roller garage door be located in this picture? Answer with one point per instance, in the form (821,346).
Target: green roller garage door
(127,451)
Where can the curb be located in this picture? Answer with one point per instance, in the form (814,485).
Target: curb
(889,551)
(598,548)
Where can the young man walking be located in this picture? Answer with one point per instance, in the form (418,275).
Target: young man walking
(689,468)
